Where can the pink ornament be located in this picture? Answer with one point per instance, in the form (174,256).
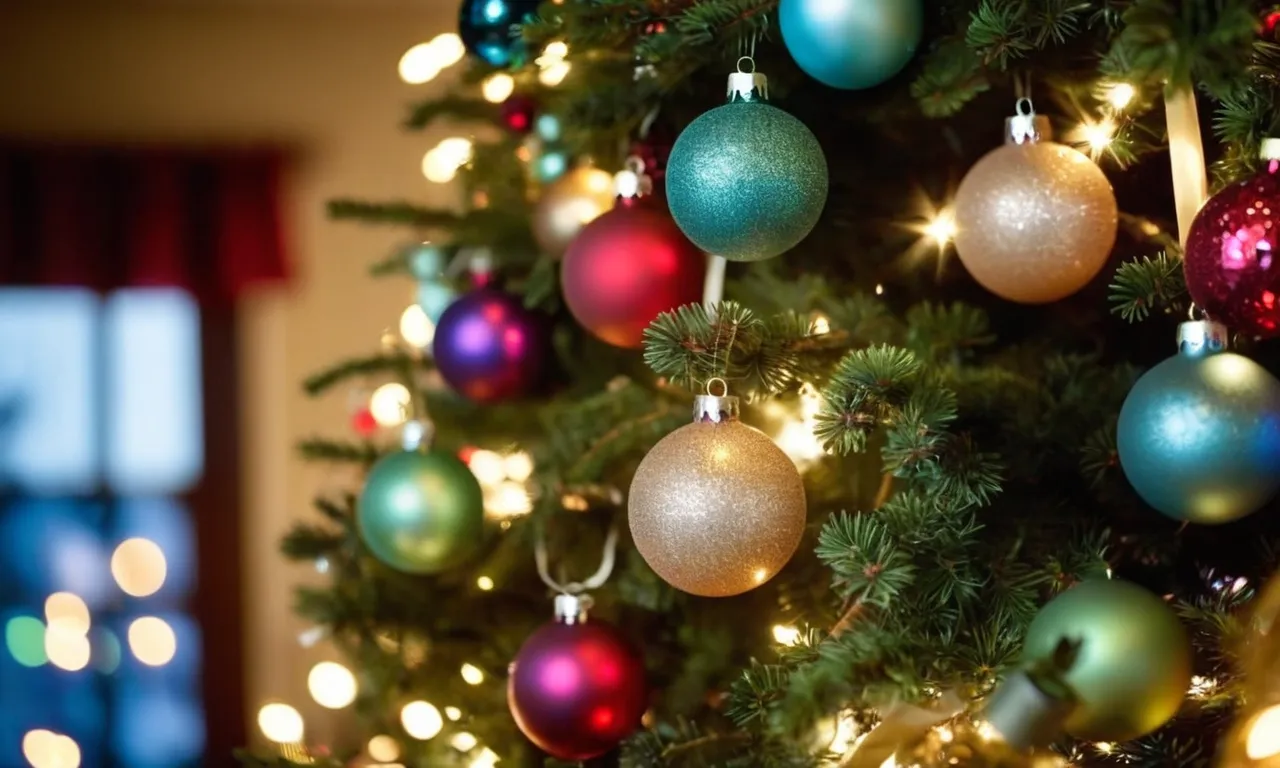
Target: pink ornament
(1232,257)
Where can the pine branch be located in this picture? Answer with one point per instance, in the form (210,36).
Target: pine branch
(454,107)
(1147,283)
(319,383)
(399,213)
(334,450)
(951,76)
(998,32)
(865,391)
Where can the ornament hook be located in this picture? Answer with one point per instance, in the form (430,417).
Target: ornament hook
(750,61)
(711,387)
(572,602)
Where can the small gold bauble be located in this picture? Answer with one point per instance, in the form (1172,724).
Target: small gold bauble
(1035,222)
(716,509)
(568,204)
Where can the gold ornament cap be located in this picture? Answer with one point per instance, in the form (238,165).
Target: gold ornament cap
(1198,338)
(715,409)
(747,86)
(572,609)
(1026,127)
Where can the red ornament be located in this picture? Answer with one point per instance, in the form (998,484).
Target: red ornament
(518,112)
(1232,258)
(628,266)
(576,688)
(362,421)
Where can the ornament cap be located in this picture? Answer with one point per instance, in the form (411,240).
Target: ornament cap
(714,408)
(416,433)
(1026,127)
(1025,714)
(1197,338)
(747,86)
(572,609)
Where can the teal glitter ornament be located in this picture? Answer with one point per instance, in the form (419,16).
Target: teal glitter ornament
(421,511)
(851,44)
(746,180)
(1199,434)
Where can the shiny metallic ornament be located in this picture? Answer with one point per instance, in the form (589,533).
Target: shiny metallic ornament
(487,29)
(568,204)
(1199,434)
(716,508)
(1134,662)
(851,44)
(746,180)
(1035,220)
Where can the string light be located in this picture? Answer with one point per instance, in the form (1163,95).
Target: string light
(1104,747)
(463,741)
(389,404)
(519,466)
(487,466)
(383,748)
(1098,136)
(422,62)
(453,713)
(1201,686)
(497,87)
(416,328)
(421,720)
(331,685)
(280,723)
(879,289)
(472,674)
(1263,740)
(785,635)
(1118,95)
(441,163)
(846,732)
(139,567)
(941,228)
(484,583)
(486,759)
(821,324)
(552,67)
(152,641)
(448,48)
(796,438)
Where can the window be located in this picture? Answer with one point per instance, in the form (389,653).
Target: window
(101,436)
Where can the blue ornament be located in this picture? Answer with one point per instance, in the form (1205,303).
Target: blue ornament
(434,298)
(486,28)
(550,165)
(547,126)
(426,261)
(1199,434)
(746,180)
(851,44)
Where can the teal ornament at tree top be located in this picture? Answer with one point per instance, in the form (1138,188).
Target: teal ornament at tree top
(851,44)
(1199,434)
(746,180)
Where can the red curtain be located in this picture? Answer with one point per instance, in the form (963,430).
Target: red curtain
(206,221)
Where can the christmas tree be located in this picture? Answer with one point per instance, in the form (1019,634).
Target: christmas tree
(941,499)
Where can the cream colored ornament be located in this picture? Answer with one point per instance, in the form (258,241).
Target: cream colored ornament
(716,508)
(1035,220)
(568,204)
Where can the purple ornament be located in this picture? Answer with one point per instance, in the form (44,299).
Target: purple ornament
(488,347)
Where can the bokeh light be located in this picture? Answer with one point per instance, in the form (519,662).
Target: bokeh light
(472,674)
(416,328)
(448,48)
(67,611)
(139,567)
(464,741)
(383,748)
(1263,740)
(484,583)
(390,403)
(46,749)
(421,720)
(785,635)
(441,163)
(453,713)
(497,87)
(280,723)
(66,647)
(24,637)
(331,685)
(519,466)
(152,641)
(487,466)
(1118,95)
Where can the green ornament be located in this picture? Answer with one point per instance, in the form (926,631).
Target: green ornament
(421,512)
(746,180)
(1134,662)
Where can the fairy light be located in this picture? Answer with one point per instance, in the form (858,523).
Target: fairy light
(424,61)
(519,466)
(503,482)
(46,749)
(453,713)
(1118,95)
(448,49)
(152,641)
(879,289)
(331,685)
(138,566)
(552,67)
(486,759)
(498,87)
(484,583)
(383,748)
(487,466)
(421,720)
(1263,739)
(785,635)
(68,612)
(441,163)
(389,404)
(820,324)
(846,733)
(1201,686)
(1104,747)
(1098,136)
(416,328)
(796,438)
(280,723)
(472,674)
(941,228)
(509,499)
(464,741)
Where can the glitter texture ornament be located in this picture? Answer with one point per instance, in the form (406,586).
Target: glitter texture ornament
(1035,220)
(1199,434)
(488,347)
(577,687)
(716,508)
(420,511)
(851,44)
(746,180)
(568,204)
(1232,257)
(485,27)
(626,268)
(1134,660)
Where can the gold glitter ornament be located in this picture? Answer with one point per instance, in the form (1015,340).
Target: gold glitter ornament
(716,508)
(1035,220)
(568,204)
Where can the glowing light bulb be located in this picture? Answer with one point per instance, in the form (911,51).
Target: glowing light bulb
(280,723)
(785,635)
(416,328)
(557,49)
(486,759)
(879,289)
(484,583)
(139,567)
(553,74)
(331,685)
(457,148)
(472,674)
(152,641)
(1119,95)
(1104,747)
(421,720)
(383,748)
(453,713)
(1263,740)
(1098,135)
(488,467)
(463,741)
(941,228)
(389,404)
(821,324)
(67,611)
(497,87)
(418,64)
(518,466)
(447,49)
(509,499)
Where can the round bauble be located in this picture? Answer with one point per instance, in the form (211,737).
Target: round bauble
(568,204)
(485,27)
(716,508)
(1134,662)
(1199,434)
(518,113)
(488,347)
(746,180)
(421,512)
(576,690)
(851,44)
(627,267)
(1035,222)
(1231,259)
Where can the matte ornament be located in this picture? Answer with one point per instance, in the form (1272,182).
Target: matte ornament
(1199,434)
(488,347)
(746,180)
(1035,222)
(851,44)
(486,28)
(421,512)
(1232,258)
(576,690)
(627,267)
(1134,664)
(567,205)
(716,508)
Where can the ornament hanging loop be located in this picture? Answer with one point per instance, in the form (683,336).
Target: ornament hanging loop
(1025,126)
(715,409)
(572,601)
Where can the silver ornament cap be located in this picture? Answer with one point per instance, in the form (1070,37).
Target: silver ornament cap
(747,86)
(715,409)
(1026,127)
(572,609)
(1198,338)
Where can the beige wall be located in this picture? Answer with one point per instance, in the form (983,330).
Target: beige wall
(320,78)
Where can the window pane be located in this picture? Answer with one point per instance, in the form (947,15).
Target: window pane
(48,427)
(155,442)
